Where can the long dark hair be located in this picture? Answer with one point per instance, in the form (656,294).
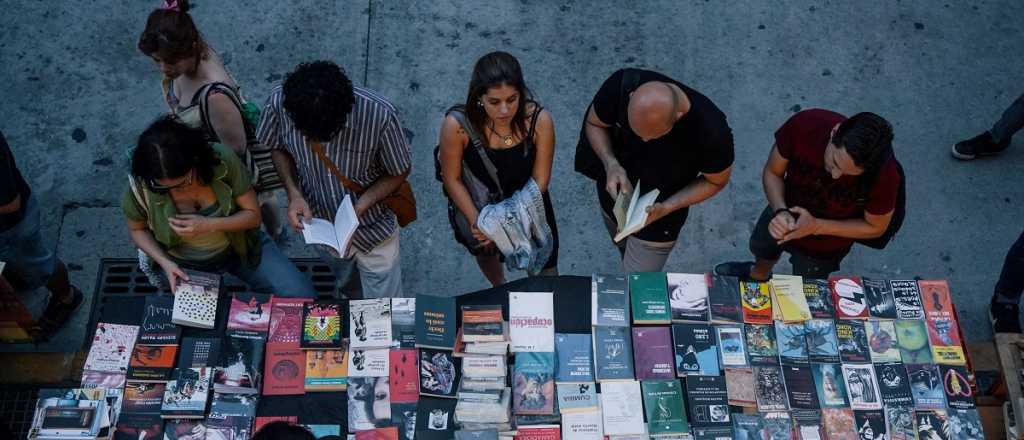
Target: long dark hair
(493,70)
(172,34)
(169,149)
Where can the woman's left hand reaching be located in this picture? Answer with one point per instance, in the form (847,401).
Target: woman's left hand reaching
(189,225)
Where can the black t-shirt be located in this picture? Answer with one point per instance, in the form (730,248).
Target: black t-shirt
(700,142)
(11,186)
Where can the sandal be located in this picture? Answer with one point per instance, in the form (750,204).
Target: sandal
(738,269)
(56,315)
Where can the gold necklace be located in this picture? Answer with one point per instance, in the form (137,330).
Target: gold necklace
(507,140)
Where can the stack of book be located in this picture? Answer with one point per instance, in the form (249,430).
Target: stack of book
(72,413)
(483,397)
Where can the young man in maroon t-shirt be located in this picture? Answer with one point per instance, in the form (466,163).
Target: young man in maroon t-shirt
(829,181)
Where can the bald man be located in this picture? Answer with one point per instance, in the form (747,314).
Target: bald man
(644,126)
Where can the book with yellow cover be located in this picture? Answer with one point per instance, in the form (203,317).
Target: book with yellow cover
(326,370)
(788,298)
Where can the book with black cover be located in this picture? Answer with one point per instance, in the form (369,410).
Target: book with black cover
(828,381)
(157,328)
(800,388)
(724,300)
(871,424)
(966,424)
(435,322)
(199,352)
(187,394)
(707,400)
(609,300)
(761,345)
(907,297)
(143,397)
(926,386)
(880,300)
(152,363)
(853,341)
(822,345)
(435,419)
(770,389)
(819,298)
(323,325)
(959,394)
(894,384)
(439,373)
(933,424)
(613,354)
(240,369)
(695,350)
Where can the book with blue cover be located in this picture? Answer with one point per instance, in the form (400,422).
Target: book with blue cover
(732,351)
(828,381)
(575,358)
(792,343)
(533,383)
(613,354)
(577,397)
(822,345)
(695,350)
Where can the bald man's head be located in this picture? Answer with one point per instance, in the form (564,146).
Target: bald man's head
(653,110)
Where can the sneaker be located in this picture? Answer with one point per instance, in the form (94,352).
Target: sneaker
(980,145)
(1005,318)
(738,269)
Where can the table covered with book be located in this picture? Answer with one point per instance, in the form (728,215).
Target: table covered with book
(625,356)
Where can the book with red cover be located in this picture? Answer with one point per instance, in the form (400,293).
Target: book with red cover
(263,420)
(152,363)
(848,297)
(539,432)
(756,299)
(249,312)
(286,319)
(403,379)
(943,325)
(285,369)
(653,353)
(388,433)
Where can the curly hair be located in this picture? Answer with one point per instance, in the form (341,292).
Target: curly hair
(867,138)
(318,97)
(169,149)
(172,35)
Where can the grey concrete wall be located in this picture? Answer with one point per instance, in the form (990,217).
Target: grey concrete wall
(75,92)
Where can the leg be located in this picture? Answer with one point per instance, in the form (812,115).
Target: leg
(1011,122)
(811,267)
(995,140)
(1011,279)
(275,274)
(646,256)
(765,249)
(492,269)
(381,269)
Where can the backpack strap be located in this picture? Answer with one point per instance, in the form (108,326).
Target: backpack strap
(202,97)
(459,114)
(533,128)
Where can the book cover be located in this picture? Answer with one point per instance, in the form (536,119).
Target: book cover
(746,426)
(369,404)
(933,425)
(853,341)
(576,397)
(706,433)
(403,322)
(731,348)
(881,304)
(807,424)
(139,426)
(152,362)
(575,357)
(688,297)
(228,427)
(622,408)
(322,325)
(483,366)
(822,344)
(839,424)
(539,432)
(195,300)
(157,328)
(241,405)
(861,386)
(740,382)
(482,323)
(724,300)
(285,369)
(241,364)
(907,297)
(286,319)
(871,424)
(111,348)
(943,327)
(648,296)
(696,351)
(965,424)
(789,299)
(187,393)
(369,323)
(828,382)
(609,300)
(756,300)
(818,295)
(665,407)
(613,354)
(770,389)
(533,383)
(326,370)
(894,384)
(707,399)
(403,378)
(102,379)
(586,425)
(882,341)
(926,385)
(653,353)
(959,394)
(531,321)
(800,389)
(776,425)
(848,296)
(435,322)
(438,373)
(792,340)
(900,420)
(761,347)
(249,312)
(368,362)
(323,430)
(403,416)
(386,433)
(912,340)
(185,429)
(435,419)
(198,352)
(142,397)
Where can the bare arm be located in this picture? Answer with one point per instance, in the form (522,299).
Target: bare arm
(871,226)
(702,188)
(544,139)
(13,206)
(772,179)
(285,166)
(144,240)
(452,142)
(601,142)
(227,122)
(247,217)
(380,189)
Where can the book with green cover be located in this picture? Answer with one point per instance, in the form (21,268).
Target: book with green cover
(648,296)
(435,322)
(665,407)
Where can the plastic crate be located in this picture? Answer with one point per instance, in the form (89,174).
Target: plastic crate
(17,407)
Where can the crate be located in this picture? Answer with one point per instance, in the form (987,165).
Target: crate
(17,407)
(1009,346)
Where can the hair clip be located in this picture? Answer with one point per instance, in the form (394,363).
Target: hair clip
(170,5)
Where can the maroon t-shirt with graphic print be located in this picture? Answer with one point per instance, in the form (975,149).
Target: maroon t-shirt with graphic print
(802,141)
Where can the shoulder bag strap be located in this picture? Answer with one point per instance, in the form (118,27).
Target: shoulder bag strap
(474,138)
(533,129)
(139,194)
(203,96)
(345,181)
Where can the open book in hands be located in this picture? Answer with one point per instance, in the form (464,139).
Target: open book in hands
(336,235)
(631,211)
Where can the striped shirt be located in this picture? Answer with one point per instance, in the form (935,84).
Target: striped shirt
(370,146)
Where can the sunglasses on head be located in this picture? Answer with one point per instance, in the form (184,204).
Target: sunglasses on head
(157,188)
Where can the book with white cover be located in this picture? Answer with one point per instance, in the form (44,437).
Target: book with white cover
(111,348)
(484,366)
(531,321)
(585,425)
(622,408)
(631,216)
(368,362)
(336,235)
(195,300)
(369,323)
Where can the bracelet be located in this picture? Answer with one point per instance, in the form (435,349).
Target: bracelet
(780,210)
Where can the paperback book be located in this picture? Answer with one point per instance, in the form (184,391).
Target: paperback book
(531,322)
(575,357)
(746,426)
(853,341)
(403,322)
(157,328)
(933,425)
(326,370)
(653,353)
(241,364)
(707,399)
(871,424)
(828,382)
(912,340)
(249,312)
(369,362)
(609,300)
(807,424)
(199,352)
(586,425)
(894,385)
(848,296)
(732,349)
(195,300)
(943,327)
(143,397)
(286,319)
(403,377)
(881,304)
(839,424)
(695,350)
(322,327)
(959,394)
(882,341)
(187,394)
(435,322)
(484,366)
(861,386)
(792,343)
(688,297)
(788,298)
(819,298)
(822,344)
(622,408)
(776,425)
(577,397)
(665,407)
(742,391)
(533,383)
(111,348)
(285,369)
(435,419)
(613,354)
(152,363)
(649,298)
(139,426)
(369,323)
(966,424)
(439,373)
(926,385)
(761,347)
(724,300)
(770,392)
(367,402)
(800,389)
(482,323)
(183,429)
(900,420)
(907,297)
(756,300)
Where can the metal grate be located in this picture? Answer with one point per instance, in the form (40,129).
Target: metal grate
(17,406)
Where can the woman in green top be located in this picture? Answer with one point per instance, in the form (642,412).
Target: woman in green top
(192,205)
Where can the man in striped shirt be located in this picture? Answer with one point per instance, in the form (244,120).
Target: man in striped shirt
(359,133)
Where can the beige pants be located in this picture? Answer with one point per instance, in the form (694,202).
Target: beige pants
(380,270)
(639,255)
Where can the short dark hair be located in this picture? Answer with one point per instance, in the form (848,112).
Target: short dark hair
(867,138)
(318,97)
(494,70)
(172,35)
(281,430)
(169,149)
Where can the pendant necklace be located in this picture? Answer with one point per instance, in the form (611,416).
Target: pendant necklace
(507,140)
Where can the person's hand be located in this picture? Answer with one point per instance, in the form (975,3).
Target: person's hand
(189,225)
(173,273)
(806,224)
(479,235)
(781,224)
(361,206)
(656,212)
(298,210)
(617,181)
